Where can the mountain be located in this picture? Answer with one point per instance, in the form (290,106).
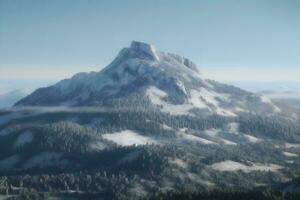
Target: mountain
(148,123)
(141,73)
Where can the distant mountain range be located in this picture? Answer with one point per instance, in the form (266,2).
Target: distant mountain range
(146,124)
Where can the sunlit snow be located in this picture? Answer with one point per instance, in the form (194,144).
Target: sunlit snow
(230,165)
(128,138)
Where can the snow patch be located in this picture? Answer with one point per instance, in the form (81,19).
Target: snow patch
(214,98)
(266,100)
(233,127)
(196,139)
(230,165)
(146,48)
(212,132)
(180,163)
(181,87)
(289,154)
(166,127)
(128,138)
(196,101)
(228,142)
(291,145)
(252,139)
(155,95)
(217,135)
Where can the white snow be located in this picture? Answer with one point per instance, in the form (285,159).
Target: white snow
(166,127)
(266,100)
(239,109)
(180,163)
(155,95)
(230,165)
(212,132)
(128,138)
(181,87)
(217,135)
(201,99)
(9,162)
(214,98)
(252,139)
(233,127)
(228,142)
(195,138)
(45,159)
(146,48)
(24,138)
(292,145)
(289,154)
(210,96)
(196,100)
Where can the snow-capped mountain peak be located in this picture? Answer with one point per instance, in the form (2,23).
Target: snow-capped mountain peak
(141,75)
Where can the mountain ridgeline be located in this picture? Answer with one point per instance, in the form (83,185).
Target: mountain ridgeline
(148,124)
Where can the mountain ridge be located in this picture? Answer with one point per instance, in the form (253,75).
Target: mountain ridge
(166,81)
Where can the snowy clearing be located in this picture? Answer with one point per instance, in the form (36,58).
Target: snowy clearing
(166,127)
(230,165)
(227,142)
(252,139)
(233,127)
(291,145)
(180,163)
(128,138)
(212,132)
(289,154)
(195,138)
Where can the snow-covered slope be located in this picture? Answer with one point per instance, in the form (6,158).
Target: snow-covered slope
(142,75)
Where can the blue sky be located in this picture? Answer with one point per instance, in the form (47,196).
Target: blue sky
(227,39)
